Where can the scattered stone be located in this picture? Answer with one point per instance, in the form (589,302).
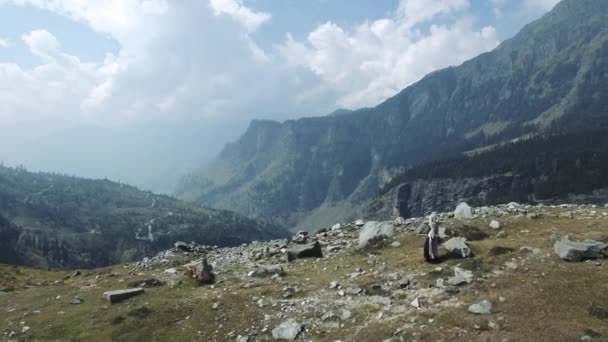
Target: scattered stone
(463,212)
(482,308)
(396,244)
(359,223)
(457,247)
(201,271)
(399,221)
(288,292)
(328,316)
(182,246)
(336,226)
(418,302)
(393,277)
(76,274)
(288,330)
(334,285)
(76,300)
(311,250)
(460,277)
(375,232)
(577,251)
(266,271)
(146,283)
(243,339)
(495,224)
(345,314)
(120,295)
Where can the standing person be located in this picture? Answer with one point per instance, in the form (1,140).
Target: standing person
(431,243)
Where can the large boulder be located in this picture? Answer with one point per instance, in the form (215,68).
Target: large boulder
(310,250)
(201,271)
(577,251)
(288,330)
(458,247)
(374,232)
(463,212)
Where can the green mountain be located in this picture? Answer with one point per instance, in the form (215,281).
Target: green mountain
(551,78)
(55,221)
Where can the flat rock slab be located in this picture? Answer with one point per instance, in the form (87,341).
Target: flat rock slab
(578,251)
(120,295)
(310,250)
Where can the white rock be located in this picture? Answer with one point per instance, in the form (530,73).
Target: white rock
(457,247)
(461,277)
(482,308)
(417,302)
(463,212)
(288,330)
(495,224)
(578,251)
(336,226)
(373,231)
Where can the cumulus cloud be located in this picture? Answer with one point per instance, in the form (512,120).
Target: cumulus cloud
(4,42)
(247,17)
(193,69)
(377,59)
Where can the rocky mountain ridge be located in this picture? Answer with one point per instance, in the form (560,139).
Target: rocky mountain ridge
(550,78)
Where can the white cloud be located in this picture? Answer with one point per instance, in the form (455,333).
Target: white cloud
(543,5)
(4,43)
(247,17)
(195,64)
(175,59)
(413,12)
(377,59)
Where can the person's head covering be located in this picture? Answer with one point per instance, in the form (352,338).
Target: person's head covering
(433,217)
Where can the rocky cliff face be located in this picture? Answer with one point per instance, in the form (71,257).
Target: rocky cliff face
(54,221)
(551,77)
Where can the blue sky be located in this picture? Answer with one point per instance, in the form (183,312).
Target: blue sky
(168,83)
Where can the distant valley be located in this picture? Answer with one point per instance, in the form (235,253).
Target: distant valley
(55,221)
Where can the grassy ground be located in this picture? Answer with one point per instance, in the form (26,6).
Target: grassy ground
(543,299)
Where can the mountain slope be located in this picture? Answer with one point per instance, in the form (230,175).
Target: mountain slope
(55,221)
(551,77)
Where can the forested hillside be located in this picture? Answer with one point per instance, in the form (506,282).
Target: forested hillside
(57,221)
